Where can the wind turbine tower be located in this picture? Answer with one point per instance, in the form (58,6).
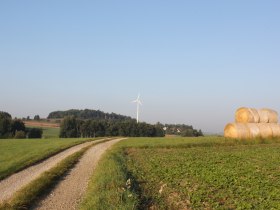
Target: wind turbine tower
(138,102)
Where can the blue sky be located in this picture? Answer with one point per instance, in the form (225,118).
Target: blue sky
(193,62)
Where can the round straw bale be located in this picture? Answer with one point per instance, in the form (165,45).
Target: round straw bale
(265,130)
(247,115)
(263,116)
(268,116)
(253,130)
(275,129)
(273,116)
(236,130)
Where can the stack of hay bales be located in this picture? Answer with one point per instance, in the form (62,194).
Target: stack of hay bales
(252,123)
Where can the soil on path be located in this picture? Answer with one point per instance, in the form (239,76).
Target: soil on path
(18,180)
(69,192)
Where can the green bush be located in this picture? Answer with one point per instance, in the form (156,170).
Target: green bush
(20,135)
(35,133)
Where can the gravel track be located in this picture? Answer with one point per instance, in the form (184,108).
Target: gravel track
(18,180)
(69,191)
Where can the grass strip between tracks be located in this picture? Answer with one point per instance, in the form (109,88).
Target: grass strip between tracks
(32,192)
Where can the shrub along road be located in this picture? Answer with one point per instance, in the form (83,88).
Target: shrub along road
(69,192)
(18,180)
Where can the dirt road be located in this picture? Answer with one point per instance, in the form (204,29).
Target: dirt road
(18,180)
(69,192)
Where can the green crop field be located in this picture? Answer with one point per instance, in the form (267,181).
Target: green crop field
(188,173)
(16,154)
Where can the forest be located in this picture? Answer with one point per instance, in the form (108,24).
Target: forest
(87,114)
(72,127)
(98,123)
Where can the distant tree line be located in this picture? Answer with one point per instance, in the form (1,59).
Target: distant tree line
(182,130)
(72,127)
(37,118)
(15,128)
(87,114)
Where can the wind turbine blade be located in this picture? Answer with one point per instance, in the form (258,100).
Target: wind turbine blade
(140,102)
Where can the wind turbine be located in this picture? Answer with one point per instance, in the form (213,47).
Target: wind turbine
(138,103)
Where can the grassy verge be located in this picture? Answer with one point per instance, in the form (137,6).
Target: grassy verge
(17,154)
(44,184)
(187,173)
(111,186)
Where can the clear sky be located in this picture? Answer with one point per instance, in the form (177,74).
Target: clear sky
(193,62)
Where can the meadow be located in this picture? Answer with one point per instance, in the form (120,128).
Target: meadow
(48,132)
(187,173)
(16,154)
